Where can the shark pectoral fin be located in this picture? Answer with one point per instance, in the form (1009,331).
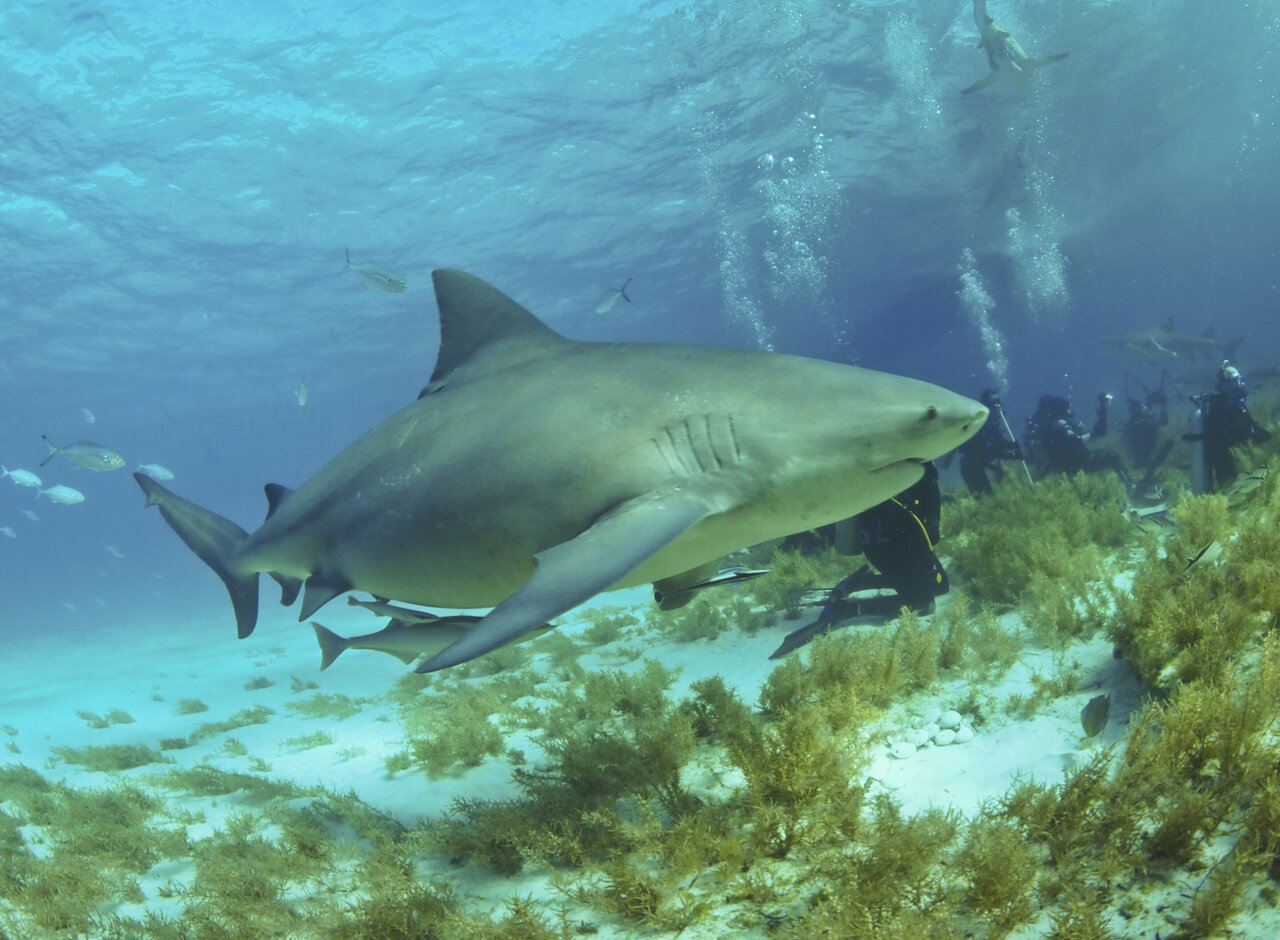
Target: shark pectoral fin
(573,571)
(988,79)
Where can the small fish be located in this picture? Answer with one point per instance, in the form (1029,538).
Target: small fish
(611,298)
(86,455)
(31,514)
(380,607)
(63,494)
(371,275)
(1093,717)
(155,471)
(114,551)
(88,416)
(8,532)
(401,639)
(21,477)
(1208,555)
(300,393)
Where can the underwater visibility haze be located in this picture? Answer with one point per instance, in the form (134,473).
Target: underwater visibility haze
(219,226)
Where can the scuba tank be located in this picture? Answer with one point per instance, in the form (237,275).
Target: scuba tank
(1195,435)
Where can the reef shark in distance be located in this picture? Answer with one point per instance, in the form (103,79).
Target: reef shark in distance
(535,471)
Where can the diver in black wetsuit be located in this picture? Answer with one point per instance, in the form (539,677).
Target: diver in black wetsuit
(983,452)
(1057,442)
(1141,430)
(897,536)
(1226,423)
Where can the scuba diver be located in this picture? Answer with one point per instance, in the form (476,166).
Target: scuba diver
(1141,430)
(1221,421)
(983,452)
(1058,443)
(897,536)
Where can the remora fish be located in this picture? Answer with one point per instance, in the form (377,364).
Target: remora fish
(21,477)
(534,472)
(86,455)
(63,494)
(379,278)
(382,608)
(1007,59)
(405,640)
(155,471)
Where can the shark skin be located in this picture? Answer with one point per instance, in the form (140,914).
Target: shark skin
(1007,59)
(534,472)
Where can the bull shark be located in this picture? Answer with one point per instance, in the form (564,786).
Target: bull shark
(1009,62)
(535,471)
(1164,343)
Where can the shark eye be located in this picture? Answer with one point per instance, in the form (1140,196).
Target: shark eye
(930,413)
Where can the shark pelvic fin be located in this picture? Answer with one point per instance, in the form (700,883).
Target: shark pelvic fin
(320,588)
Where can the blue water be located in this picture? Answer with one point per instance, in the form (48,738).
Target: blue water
(178,183)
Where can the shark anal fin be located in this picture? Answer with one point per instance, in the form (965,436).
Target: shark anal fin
(289,588)
(573,571)
(319,589)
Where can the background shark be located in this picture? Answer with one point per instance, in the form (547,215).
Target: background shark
(1162,344)
(1009,62)
(535,471)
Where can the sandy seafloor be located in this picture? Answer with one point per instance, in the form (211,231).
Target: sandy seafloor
(146,671)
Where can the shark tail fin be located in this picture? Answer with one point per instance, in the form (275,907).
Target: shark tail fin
(331,645)
(215,541)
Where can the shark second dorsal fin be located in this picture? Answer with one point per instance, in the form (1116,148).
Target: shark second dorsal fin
(474,315)
(276,494)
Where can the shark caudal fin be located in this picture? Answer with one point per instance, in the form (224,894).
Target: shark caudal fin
(214,540)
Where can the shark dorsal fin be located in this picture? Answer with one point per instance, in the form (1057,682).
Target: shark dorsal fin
(475,316)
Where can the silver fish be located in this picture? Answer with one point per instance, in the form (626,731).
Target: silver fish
(87,415)
(155,471)
(611,298)
(21,477)
(1207,556)
(8,532)
(300,393)
(31,514)
(114,551)
(86,455)
(63,494)
(379,278)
